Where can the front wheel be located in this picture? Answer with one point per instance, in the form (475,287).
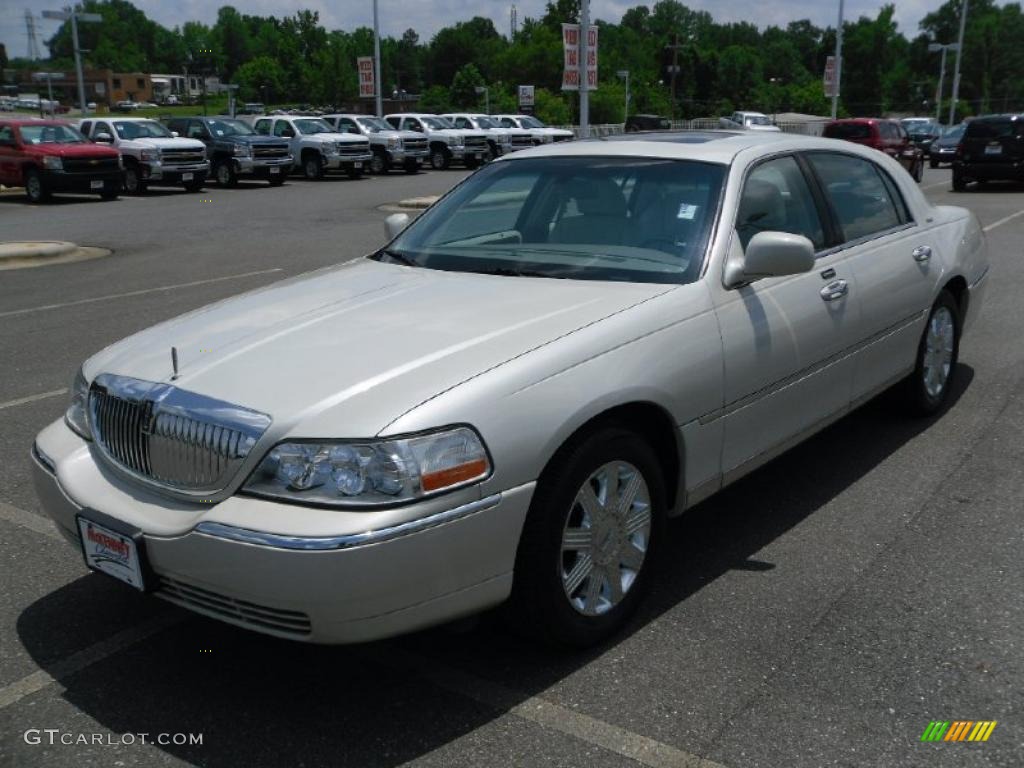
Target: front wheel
(133,183)
(584,559)
(35,187)
(440,159)
(379,164)
(312,168)
(225,174)
(927,388)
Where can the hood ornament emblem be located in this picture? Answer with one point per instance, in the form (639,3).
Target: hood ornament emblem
(174,362)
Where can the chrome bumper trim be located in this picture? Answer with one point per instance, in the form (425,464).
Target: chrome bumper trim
(327,543)
(43,460)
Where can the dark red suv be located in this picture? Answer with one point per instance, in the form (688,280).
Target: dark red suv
(884,135)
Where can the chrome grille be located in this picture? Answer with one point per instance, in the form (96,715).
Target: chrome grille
(270,151)
(521,142)
(415,145)
(232,609)
(170,437)
(182,156)
(353,148)
(476,142)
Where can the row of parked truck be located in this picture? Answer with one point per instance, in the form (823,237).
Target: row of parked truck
(107,154)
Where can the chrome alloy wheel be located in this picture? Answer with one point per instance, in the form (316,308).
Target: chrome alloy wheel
(938,351)
(605,538)
(34,187)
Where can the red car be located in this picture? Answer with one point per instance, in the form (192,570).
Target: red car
(884,135)
(46,156)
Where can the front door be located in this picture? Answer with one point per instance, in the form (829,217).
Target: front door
(786,340)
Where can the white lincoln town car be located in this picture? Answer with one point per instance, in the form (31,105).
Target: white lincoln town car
(506,402)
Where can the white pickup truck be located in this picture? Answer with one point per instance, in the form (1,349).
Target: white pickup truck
(390,148)
(500,140)
(316,146)
(542,133)
(152,155)
(447,144)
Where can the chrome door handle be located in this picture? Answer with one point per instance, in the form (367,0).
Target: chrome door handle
(835,290)
(922,253)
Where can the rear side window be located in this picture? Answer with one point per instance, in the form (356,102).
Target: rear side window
(262,127)
(995,129)
(84,127)
(863,200)
(848,131)
(776,198)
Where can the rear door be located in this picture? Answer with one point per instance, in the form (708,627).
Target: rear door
(10,174)
(893,259)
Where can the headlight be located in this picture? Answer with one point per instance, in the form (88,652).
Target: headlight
(330,148)
(243,150)
(394,143)
(506,139)
(368,474)
(454,141)
(52,163)
(76,415)
(149,155)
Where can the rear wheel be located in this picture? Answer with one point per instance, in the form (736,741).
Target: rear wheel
(927,388)
(35,187)
(584,559)
(225,174)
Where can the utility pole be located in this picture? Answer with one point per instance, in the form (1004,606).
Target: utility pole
(583,60)
(624,74)
(376,61)
(674,71)
(33,42)
(75,16)
(959,57)
(942,75)
(839,63)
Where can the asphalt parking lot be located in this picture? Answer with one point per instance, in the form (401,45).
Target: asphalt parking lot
(818,613)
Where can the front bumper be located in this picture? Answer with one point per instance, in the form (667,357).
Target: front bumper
(245,561)
(262,168)
(347,162)
(155,173)
(59,181)
(991,171)
(400,156)
(468,154)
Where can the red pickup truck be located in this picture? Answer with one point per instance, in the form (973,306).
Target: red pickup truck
(46,156)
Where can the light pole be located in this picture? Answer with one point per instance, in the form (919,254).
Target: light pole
(48,76)
(839,63)
(584,83)
(486,92)
(775,99)
(933,48)
(376,61)
(959,56)
(75,16)
(624,75)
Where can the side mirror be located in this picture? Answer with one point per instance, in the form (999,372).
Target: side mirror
(394,224)
(175,134)
(770,254)
(103,138)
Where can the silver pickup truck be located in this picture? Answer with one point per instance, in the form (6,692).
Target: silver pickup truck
(391,148)
(447,144)
(316,147)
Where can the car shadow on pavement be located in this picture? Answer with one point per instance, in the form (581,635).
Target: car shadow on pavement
(262,701)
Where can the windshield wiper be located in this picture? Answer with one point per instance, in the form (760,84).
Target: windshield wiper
(398,258)
(506,272)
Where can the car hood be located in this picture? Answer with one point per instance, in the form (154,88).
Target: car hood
(173,143)
(768,128)
(87,149)
(339,138)
(254,140)
(346,350)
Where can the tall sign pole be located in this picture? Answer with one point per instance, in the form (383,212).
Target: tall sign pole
(75,16)
(839,63)
(959,56)
(583,58)
(376,60)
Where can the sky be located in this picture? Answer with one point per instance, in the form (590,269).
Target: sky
(428,16)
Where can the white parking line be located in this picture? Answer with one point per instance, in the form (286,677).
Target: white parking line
(29,520)
(945,183)
(644,750)
(139,293)
(33,398)
(76,662)
(1000,223)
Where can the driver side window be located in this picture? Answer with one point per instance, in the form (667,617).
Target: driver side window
(262,127)
(776,198)
(196,130)
(283,129)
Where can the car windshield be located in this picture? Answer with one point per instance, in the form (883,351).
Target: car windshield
(757,120)
(485,122)
(51,134)
(956,132)
(848,131)
(437,123)
(229,128)
(581,218)
(531,122)
(316,125)
(375,124)
(140,129)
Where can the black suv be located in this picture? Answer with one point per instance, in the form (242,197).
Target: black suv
(992,149)
(235,150)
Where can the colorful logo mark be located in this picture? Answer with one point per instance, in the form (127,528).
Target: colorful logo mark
(958,730)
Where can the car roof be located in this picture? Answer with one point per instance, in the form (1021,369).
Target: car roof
(31,121)
(1008,116)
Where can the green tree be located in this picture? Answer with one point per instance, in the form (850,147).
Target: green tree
(464,85)
(261,78)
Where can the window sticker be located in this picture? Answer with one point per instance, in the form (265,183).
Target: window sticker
(687,211)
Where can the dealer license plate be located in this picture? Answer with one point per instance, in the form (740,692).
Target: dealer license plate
(186,177)
(110,552)
(95,185)
(357,165)
(274,169)
(994,150)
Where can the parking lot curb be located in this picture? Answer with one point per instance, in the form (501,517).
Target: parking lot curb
(36,253)
(418,203)
(11,190)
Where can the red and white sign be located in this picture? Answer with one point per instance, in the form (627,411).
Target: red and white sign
(571,55)
(830,77)
(367,86)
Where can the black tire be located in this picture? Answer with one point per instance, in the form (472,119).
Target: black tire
(440,159)
(411,167)
(312,167)
(540,604)
(354,173)
(109,194)
(224,173)
(133,183)
(277,181)
(959,182)
(919,171)
(933,164)
(379,164)
(195,185)
(35,187)
(923,399)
